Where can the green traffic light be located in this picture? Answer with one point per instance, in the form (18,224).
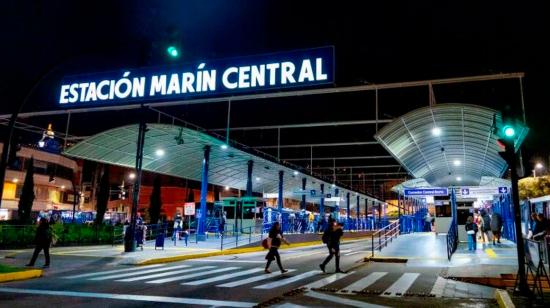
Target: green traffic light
(509,131)
(172,51)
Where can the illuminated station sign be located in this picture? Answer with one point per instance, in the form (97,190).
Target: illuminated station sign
(301,68)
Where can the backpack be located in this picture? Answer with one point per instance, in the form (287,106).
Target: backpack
(326,236)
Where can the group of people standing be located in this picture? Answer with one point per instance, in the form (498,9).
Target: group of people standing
(331,237)
(481,226)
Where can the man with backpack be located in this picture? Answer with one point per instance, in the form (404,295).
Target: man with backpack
(331,237)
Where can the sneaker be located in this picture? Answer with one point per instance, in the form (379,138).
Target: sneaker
(322,266)
(340,271)
(267,271)
(284,271)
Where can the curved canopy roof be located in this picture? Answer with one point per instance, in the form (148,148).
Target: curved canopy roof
(447,144)
(228,165)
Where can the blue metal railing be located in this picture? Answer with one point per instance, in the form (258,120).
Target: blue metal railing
(452,239)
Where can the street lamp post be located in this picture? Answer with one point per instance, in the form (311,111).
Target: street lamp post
(537,166)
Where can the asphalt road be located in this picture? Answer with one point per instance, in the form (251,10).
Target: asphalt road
(232,280)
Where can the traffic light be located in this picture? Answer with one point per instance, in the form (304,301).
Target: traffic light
(509,131)
(173,51)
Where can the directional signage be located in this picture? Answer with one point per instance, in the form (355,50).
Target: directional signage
(435,191)
(482,191)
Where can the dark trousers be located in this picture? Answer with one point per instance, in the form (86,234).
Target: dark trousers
(273,254)
(333,251)
(37,250)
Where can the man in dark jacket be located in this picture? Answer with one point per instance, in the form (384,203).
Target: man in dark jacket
(333,246)
(43,239)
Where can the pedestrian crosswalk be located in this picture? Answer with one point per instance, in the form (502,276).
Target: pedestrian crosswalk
(222,276)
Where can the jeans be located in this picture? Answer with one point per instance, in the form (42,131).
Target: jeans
(333,250)
(472,242)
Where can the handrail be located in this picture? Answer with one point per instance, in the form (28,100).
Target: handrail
(452,239)
(391,229)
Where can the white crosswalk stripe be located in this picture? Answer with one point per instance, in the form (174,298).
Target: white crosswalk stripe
(279,283)
(326,281)
(170,279)
(170,273)
(363,283)
(222,277)
(112,272)
(139,272)
(402,284)
(251,279)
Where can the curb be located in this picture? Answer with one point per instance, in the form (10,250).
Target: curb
(231,251)
(22,275)
(386,259)
(503,299)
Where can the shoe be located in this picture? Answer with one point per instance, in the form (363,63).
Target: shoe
(322,266)
(267,271)
(493,242)
(45,266)
(498,241)
(340,271)
(29,265)
(284,271)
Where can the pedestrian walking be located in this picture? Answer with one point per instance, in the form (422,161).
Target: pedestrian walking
(471,230)
(496,226)
(540,228)
(485,226)
(43,240)
(333,246)
(275,238)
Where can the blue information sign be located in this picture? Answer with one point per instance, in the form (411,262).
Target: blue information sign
(299,68)
(503,190)
(427,192)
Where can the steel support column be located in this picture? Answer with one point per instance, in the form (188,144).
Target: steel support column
(280,195)
(348,206)
(249,178)
(337,207)
(322,203)
(303,202)
(201,232)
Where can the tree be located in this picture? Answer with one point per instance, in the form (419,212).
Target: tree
(27,194)
(534,187)
(103,195)
(155,203)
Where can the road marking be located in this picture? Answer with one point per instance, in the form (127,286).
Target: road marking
(228,261)
(222,277)
(225,269)
(328,280)
(283,282)
(112,272)
(401,285)
(341,300)
(352,253)
(251,279)
(172,273)
(363,283)
(134,297)
(138,272)
(439,287)
(491,253)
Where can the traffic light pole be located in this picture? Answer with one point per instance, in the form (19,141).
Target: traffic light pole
(511,155)
(129,239)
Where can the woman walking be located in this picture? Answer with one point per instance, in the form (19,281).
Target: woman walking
(42,239)
(496,226)
(471,230)
(275,238)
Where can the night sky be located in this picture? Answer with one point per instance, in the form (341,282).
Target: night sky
(375,42)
